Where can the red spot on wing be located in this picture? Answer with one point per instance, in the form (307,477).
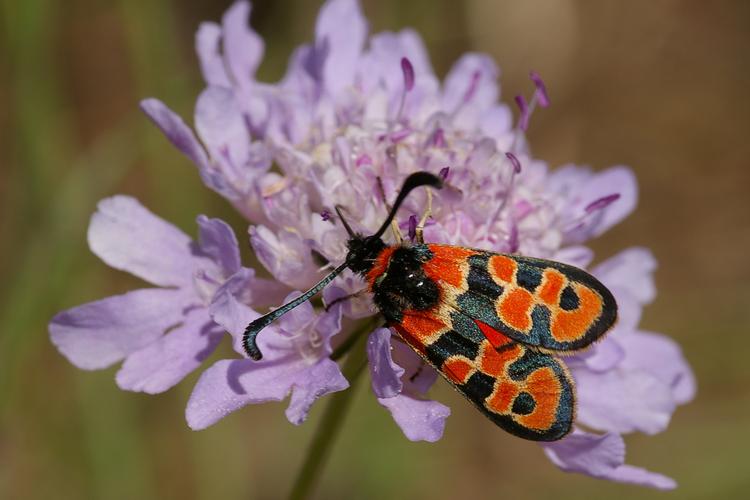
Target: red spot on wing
(545,388)
(568,326)
(422,327)
(458,369)
(503,268)
(447,264)
(552,283)
(514,308)
(494,362)
(496,338)
(501,399)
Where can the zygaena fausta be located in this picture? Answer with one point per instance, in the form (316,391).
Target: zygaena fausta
(488,322)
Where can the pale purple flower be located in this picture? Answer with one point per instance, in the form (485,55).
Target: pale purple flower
(349,120)
(161,333)
(296,361)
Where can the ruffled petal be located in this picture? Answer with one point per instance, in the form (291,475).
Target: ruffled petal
(217,240)
(342,29)
(384,373)
(602,456)
(128,237)
(163,363)
(623,400)
(97,334)
(229,385)
(603,356)
(285,255)
(593,222)
(243,47)
(419,420)
(661,357)
(208,46)
(324,377)
(183,138)
(471,89)
(222,128)
(227,310)
(631,270)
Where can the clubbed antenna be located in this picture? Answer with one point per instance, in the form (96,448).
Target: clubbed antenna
(253,329)
(412,182)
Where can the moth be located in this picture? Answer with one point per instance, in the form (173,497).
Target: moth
(491,324)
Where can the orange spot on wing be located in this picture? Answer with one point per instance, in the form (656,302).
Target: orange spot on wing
(380,265)
(496,338)
(567,326)
(421,327)
(545,388)
(515,308)
(458,369)
(552,283)
(502,268)
(447,264)
(501,399)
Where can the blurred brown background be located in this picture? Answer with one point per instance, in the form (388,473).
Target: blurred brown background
(660,86)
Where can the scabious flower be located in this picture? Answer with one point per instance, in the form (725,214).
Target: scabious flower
(349,120)
(162,333)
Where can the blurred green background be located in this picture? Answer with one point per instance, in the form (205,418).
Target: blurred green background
(661,86)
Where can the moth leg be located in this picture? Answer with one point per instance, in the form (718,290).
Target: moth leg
(354,295)
(427,214)
(397,233)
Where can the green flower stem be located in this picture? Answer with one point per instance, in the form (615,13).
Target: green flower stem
(331,424)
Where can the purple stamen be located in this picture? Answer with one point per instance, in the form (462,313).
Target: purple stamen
(408,71)
(541,89)
(400,135)
(514,161)
(523,119)
(437,138)
(602,202)
(444,173)
(472,86)
(363,160)
(513,242)
(325,215)
(412,227)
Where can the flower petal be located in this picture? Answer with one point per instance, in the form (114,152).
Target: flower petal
(163,363)
(217,240)
(97,334)
(661,357)
(229,385)
(128,237)
(419,420)
(222,128)
(208,46)
(228,310)
(384,373)
(324,377)
(631,270)
(615,180)
(243,47)
(183,138)
(342,28)
(285,255)
(623,400)
(471,89)
(602,456)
